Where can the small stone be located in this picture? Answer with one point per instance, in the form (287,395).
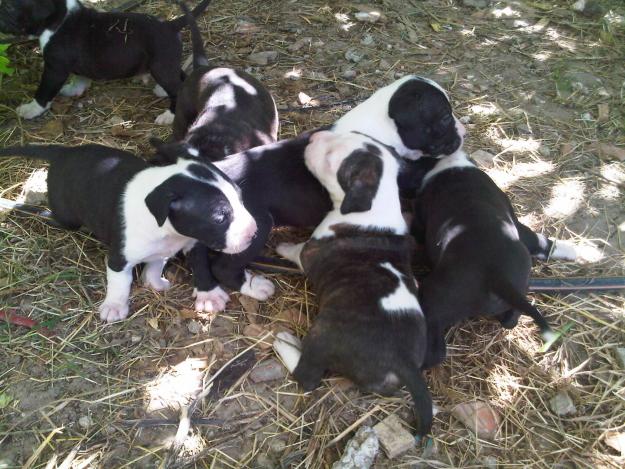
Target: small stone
(246,27)
(587,116)
(562,404)
(256,331)
(544,150)
(479,417)
(616,440)
(35,189)
(367,40)
(301,42)
(394,438)
(194,327)
(268,370)
(135,339)
(349,73)
(603,111)
(116,120)
(85,422)
(490,462)
(354,56)
(360,451)
(483,158)
(277,446)
(620,356)
(369,16)
(465,119)
(263,58)
(385,64)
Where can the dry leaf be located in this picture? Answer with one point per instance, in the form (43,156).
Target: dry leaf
(255,331)
(478,417)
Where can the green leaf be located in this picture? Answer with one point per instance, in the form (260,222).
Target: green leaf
(4,47)
(5,400)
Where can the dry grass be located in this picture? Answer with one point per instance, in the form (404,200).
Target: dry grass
(89,396)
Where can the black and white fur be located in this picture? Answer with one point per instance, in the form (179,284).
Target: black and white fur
(96,45)
(279,190)
(220,110)
(144,214)
(479,252)
(370,326)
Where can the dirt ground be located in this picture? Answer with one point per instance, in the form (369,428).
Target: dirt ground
(539,87)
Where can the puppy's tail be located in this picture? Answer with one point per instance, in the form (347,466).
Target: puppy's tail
(199,55)
(413,379)
(508,293)
(38,152)
(182,21)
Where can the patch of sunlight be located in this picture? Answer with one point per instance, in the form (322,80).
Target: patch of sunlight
(506,384)
(177,386)
(343,18)
(467,32)
(487,109)
(294,74)
(504,178)
(615,176)
(506,12)
(543,55)
(563,42)
(566,198)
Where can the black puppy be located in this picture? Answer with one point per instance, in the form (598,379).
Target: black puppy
(221,111)
(295,197)
(144,213)
(370,326)
(478,250)
(96,45)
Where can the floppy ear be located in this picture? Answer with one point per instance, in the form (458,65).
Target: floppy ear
(359,177)
(159,202)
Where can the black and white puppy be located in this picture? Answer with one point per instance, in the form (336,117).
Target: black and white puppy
(96,45)
(477,249)
(370,326)
(143,213)
(296,198)
(221,111)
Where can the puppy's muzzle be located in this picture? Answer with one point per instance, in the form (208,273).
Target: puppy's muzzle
(240,235)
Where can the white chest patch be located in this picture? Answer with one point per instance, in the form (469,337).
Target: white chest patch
(45,38)
(401,300)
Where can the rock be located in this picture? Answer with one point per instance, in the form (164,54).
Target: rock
(301,42)
(360,451)
(544,150)
(476,3)
(606,150)
(562,404)
(268,371)
(53,129)
(115,120)
(465,119)
(277,446)
(385,64)
(394,438)
(194,327)
(35,189)
(603,112)
(263,58)
(349,74)
(479,417)
(616,440)
(255,331)
(246,27)
(369,16)
(619,352)
(85,422)
(367,40)
(354,56)
(489,462)
(135,339)
(483,158)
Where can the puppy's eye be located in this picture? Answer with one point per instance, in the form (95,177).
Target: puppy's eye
(220,217)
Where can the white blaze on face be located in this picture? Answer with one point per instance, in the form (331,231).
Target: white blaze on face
(401,300)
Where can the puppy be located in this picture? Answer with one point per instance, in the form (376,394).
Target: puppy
(279,190)
(477,249)
(145,214)
(370,326)
(96,45)
(221,111)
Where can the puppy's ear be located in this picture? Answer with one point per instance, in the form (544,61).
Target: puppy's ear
(161,201)
(359,177)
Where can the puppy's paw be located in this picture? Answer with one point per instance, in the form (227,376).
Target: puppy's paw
(211,301)
(30,110)
(75,88)
(563,250)
(166,118)
(159,91)
(257,286)
(111,311)
(158,284)
(288,347)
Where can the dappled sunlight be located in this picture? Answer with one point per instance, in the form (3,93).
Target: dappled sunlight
(176,386)
(566,197)
(345,24)
(505,383)
(504,178)
(543,56)
(484,110)
(506,12)
(517,145)
(614,177)
(294,74)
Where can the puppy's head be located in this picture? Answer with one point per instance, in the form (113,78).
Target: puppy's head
(349,166)
(203,203)
(26,17)
(169,153)
(425,122)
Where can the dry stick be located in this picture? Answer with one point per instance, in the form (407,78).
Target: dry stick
(186,412)
(43,444)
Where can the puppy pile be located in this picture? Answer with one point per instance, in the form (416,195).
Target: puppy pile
(219,187)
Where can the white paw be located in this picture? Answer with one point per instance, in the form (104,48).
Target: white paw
(158,284)
(291,252)
(113,311)
(75,88)
(159,91)
(257,286)
(564,250)
(166,118)
(288,347)
(211,301)
(30,110)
